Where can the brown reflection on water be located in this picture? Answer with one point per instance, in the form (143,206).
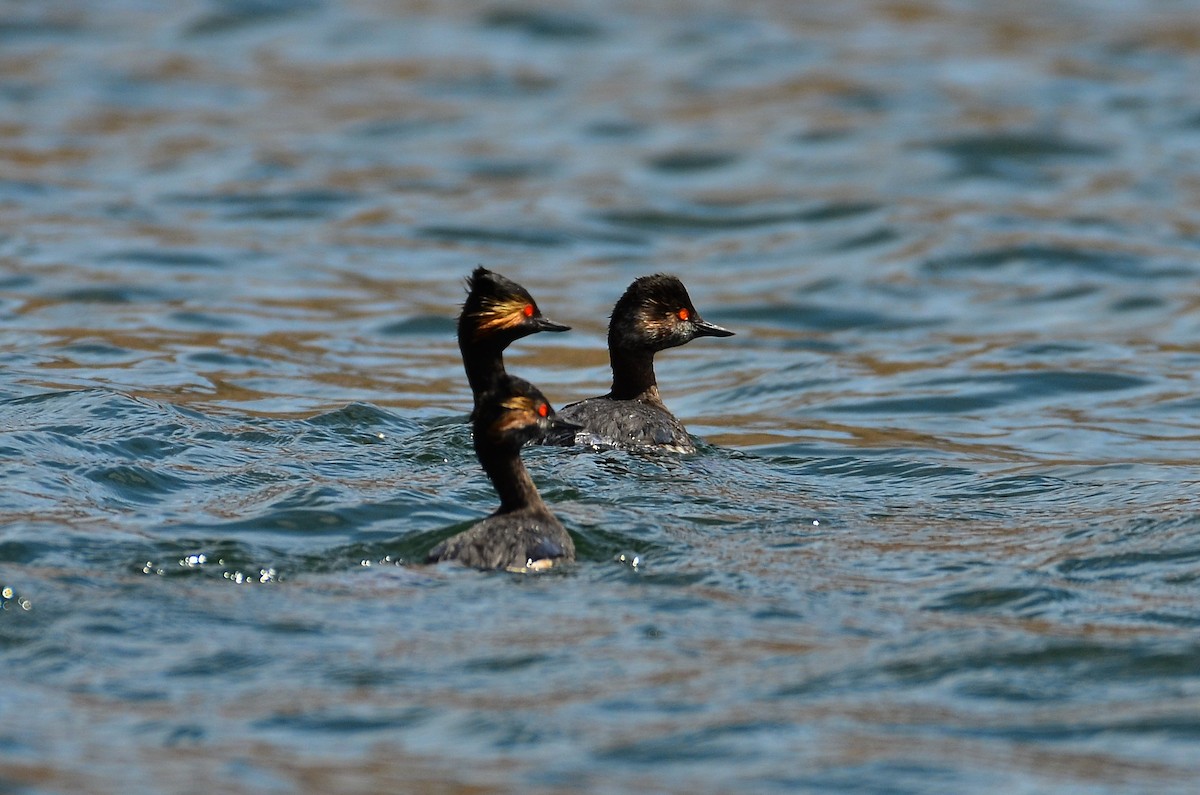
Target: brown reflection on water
(864,746)
(186,765)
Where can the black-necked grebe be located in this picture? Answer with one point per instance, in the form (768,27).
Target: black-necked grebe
(654,314)
(497,312)
(522,534)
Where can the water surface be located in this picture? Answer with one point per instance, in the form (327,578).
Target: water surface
(942,533)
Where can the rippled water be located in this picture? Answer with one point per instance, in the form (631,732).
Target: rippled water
(943,534)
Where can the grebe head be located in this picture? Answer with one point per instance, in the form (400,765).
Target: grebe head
(656,313)
(514,413)
(500,310)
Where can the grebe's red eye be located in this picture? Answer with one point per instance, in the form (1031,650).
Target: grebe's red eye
(684,314)
(528,310)
(543,409)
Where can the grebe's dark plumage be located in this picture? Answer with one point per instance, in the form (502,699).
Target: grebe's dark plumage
(522,534)
(497,312)
(654,314)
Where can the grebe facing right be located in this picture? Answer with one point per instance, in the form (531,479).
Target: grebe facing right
(522,535)
(654,314)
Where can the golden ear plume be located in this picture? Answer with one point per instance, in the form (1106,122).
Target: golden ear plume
(518,403)
(499,315)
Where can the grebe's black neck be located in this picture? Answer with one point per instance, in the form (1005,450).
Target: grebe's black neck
(483,361)
(508,474)
(633,374)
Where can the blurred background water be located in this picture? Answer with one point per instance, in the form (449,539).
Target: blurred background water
(944,533)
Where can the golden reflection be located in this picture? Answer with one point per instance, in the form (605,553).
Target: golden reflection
(22,157)
(117,121)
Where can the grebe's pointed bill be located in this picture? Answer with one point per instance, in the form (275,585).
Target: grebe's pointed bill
(546,324)
(706,329)
(560,432)
(562,426)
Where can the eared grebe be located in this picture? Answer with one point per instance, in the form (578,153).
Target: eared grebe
(654,314)
(497,312)
(522,534)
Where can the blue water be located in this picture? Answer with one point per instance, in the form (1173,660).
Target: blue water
(942,533)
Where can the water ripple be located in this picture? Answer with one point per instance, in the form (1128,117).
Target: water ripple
(723,219)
